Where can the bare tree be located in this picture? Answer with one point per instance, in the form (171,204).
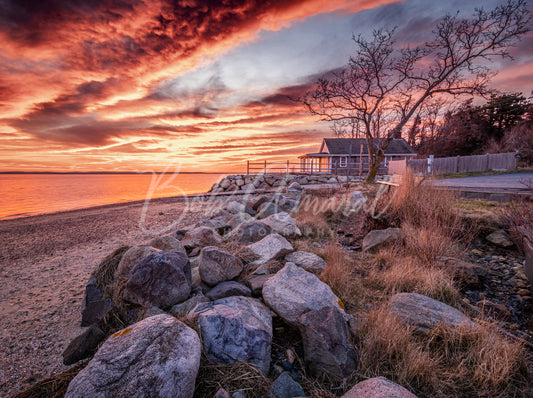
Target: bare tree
(383,87)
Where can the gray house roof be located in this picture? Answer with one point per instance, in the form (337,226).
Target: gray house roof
(341,146)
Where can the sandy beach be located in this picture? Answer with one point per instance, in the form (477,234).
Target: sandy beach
(45,262)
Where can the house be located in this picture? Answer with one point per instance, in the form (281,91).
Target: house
(334,156)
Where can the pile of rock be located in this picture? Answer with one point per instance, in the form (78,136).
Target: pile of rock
(252,183)
(231,301)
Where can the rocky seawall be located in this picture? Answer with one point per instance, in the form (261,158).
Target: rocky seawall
(250,183)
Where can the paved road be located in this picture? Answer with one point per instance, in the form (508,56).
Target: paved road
(501,182)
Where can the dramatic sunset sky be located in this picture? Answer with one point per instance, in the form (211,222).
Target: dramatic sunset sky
(120,85)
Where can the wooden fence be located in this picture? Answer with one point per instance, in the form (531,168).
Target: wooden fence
(457,164)
(357,166)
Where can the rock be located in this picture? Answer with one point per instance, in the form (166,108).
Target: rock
(219,224)
(469,275)
(182,309)
(283,224)
(157,357)
(249,232)
(292,292)
(495,310)
(180,233)
(195,276)
(228,289)
(221,393)
(524,292)
(132,257)
(255,283)
(235,329)
(327,343)
(500,238)
(423,313)
(286,387)
(235,207)
(238,394)
(357,200)
(94,306)
(287,205)
(201,237)
(255,201)
(225,183)
(294,186)
(378,387)
(379,237)
(162,279)
(271,247)
(308,261)
(239,218)
(166,243)
(267,209)
(83,345)
(217,265)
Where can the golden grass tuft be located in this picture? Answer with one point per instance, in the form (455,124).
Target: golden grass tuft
(338,274)
(242,252)
(105,273)
(449,362)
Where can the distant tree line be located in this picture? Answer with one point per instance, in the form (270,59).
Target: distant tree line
(503,124)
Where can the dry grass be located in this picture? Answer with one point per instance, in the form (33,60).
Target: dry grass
(242,252)
(450,362)
(311,217)
(339,276)
(394,273)
(105,273)
(518,216)
(54,386)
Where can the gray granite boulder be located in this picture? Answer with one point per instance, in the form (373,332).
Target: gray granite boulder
(239,218)
(293,291)
(228,289)
(285,387)
(235,329)
(201,237)
(500,238)
(271,247)
(424,313)
(235,207)
(308,261)
(256,282)
(378,387)
(132,256)
(217,265)
(249,232)
(166,243)
(267,209)
(157,357)
(219,224)
(257,200)
(327,343)
(283,224)
(162,279)
(380,237)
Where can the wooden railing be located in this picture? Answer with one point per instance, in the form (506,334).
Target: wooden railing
(357,167)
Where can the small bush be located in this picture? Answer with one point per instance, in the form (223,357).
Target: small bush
(518,217)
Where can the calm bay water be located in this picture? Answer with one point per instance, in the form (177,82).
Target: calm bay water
(31,194)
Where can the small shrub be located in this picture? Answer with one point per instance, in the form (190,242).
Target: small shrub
(518,217)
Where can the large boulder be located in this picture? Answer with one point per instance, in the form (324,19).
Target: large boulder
(327,343)
(132,256)
(228,289)
(424,313)
(249,232)
(217,265)
(283,224)
(257,200)
(308,261)
(378,387)
(239,218)
(267,209)
(235,329)
(157,357)
(379,237)
(219,224)
(271,247)
(162,279)
(182,309)
(166,243)
(201,237)
(235,207)
(292,292)
(500,238)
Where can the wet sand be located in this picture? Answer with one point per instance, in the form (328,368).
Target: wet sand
(45,262)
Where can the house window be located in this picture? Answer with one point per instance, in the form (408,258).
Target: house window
(343,161)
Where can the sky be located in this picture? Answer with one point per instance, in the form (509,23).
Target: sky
(191,85)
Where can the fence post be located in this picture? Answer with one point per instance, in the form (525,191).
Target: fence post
(247,167)
(287,167)
(265,168)
(457,164)
(488,162)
